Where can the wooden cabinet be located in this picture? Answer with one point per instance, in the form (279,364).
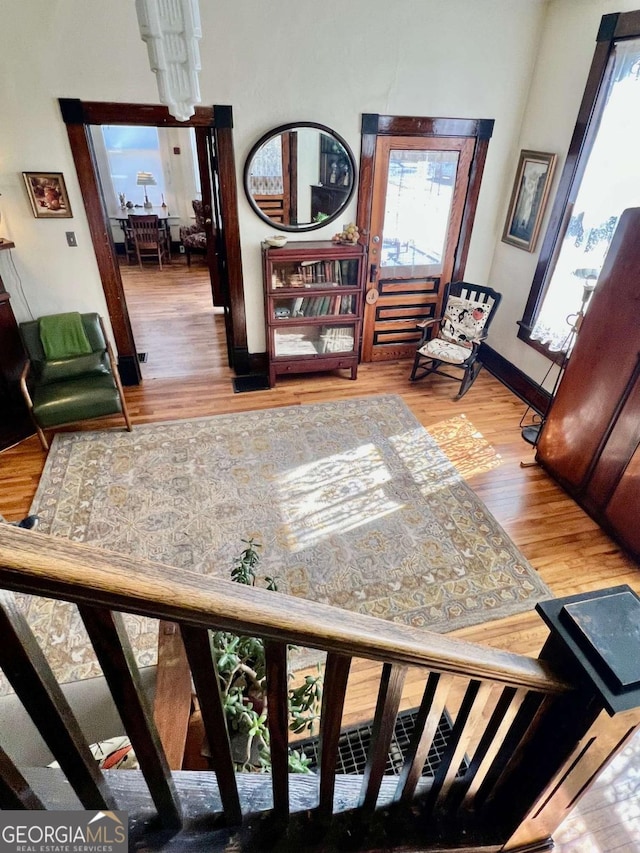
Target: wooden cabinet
(590,441)
(313,307)
(15,423)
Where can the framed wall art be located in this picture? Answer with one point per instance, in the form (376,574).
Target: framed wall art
(48,195)
(528,199)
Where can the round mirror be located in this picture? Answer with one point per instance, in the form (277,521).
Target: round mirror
(299,176)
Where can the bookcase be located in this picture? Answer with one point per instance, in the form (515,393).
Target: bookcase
(313,306)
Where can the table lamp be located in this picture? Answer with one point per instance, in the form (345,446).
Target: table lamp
(146,179)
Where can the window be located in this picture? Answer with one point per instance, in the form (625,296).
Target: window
(131,150)
(601,178)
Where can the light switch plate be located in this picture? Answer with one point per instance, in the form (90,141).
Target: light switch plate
(71,238)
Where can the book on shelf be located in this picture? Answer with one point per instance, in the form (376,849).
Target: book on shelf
(318,273)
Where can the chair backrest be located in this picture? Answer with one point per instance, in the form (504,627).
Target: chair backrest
(30,332)
(145,231)
(197,209)
(468,310)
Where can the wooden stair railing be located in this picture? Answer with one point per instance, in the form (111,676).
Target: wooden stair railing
(529,736)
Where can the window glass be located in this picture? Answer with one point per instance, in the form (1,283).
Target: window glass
(131,150)
(418,207)
(610,184)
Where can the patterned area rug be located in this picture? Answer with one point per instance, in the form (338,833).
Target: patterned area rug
(353,502)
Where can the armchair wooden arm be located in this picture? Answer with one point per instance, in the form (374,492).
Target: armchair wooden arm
(23,384)
(24,388)
(430,322)
(116,375)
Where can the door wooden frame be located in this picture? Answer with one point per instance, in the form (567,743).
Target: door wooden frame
(78,116)
(375,125)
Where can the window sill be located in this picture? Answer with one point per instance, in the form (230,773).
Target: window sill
(524,333)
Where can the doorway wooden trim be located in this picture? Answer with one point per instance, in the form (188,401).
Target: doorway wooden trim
(78,116)
(374,125)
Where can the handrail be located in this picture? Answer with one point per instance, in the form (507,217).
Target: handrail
(39,564)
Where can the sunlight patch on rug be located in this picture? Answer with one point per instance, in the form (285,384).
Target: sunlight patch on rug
(464,446)
(354,504)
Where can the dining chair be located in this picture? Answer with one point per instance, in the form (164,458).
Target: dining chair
(149,238)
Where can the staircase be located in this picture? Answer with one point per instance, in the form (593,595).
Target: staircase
(528,736)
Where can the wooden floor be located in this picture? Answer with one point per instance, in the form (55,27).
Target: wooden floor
(186,375)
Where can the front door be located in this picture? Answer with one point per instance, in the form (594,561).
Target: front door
(423,190)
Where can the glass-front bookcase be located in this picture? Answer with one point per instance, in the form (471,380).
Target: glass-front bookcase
(313,306)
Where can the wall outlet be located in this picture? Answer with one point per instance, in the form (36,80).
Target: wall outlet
(71,238)
(181,250)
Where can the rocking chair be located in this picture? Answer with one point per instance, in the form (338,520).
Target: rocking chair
(468,309)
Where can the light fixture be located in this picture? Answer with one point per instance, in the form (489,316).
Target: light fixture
(171,29)
(146,179)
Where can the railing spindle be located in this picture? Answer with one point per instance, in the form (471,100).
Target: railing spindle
(531,713)
(172,700)
(207,684)
(278,722)
(15,791)
(334,690)
(467,718)
(389,695)
(501,720)
(113,650)
(429,714)
(30,675)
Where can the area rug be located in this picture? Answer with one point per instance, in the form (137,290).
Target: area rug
(353,503)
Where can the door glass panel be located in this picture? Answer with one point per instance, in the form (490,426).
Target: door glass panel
(418,205)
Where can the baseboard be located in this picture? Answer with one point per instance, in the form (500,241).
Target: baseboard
(129,369)
(258,362)
(519,383)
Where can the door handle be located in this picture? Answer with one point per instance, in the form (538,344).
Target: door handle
(373,272)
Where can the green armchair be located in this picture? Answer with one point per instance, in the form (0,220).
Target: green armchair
(71,374)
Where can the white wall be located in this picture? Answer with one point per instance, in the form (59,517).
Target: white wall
(274,63)
(564,58)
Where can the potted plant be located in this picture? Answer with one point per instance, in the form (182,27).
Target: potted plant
(241,670)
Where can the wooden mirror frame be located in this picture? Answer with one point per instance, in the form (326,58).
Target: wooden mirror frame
(291,172)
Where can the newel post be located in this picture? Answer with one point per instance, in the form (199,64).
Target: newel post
(594,643)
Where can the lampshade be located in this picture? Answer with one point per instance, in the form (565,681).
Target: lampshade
(146,179)
(171,29)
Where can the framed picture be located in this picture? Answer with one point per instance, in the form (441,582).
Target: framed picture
(48,195)
(528,199)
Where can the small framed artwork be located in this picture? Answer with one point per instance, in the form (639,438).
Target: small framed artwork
(528,199)
(48,195)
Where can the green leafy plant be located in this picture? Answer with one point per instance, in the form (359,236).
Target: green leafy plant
(241,671)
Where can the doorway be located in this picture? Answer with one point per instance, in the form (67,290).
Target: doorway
(150,175)
(216,167)
(419,185)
